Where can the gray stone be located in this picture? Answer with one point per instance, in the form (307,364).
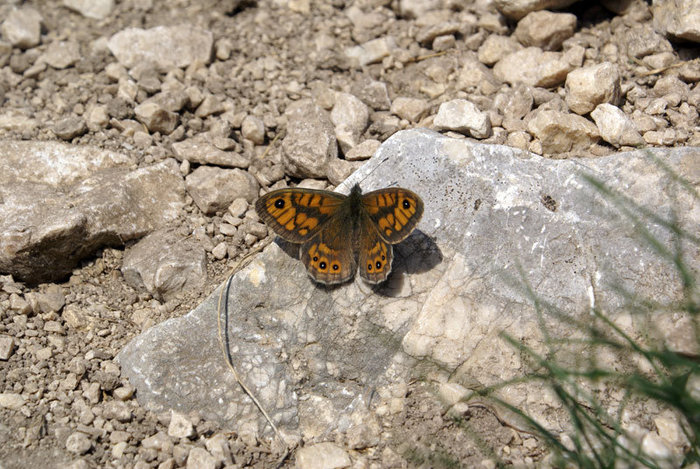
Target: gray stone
(561,132)
(253,129)
(165,264)
(411,109)
(199,458)
(78,443)
(49,230)
(325,455)
(69,128)
(7,346)
(11,400)
(533,67)
(116,410)
(373,93)
(496,47)
(463,116)
(180,426)
(678,18)
(519,8)
(198,150)
(589,86)
(156,118)
(61,54)
(350,117)
(22,27)
(449,295)
(166,46)
(95,9)
(371,51)
(310,141)
(615,127)
(363,151)
(213,189)
(51,300)
(545,29)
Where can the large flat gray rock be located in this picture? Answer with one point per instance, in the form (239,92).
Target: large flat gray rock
(312,354)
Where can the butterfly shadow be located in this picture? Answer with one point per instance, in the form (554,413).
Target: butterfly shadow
(416,254)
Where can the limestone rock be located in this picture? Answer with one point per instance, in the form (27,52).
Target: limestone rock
(461,115)
(615,127)
(165,264)
(213,189)
(22,27)
(678,18)
(516,9)
(350,117)
(561,132)
(310,142)
(533,67)
(447,299)
(166,46)
(198,150)
(545,29)
(96,9)
(589,86)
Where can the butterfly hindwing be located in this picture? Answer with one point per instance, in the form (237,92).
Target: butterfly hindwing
(394,211)
(329,256)
(297,215)
(375,254)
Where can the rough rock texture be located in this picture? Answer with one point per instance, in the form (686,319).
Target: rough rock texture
(50,229)
(449,296)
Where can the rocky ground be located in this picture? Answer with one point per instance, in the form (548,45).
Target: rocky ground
(211,102)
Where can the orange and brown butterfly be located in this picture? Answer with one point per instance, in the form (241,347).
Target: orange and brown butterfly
(338,232)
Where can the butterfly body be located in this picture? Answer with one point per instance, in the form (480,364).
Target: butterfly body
(340,232)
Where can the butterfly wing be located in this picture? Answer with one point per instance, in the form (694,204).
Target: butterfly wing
(297,215)
(375,253)
(394,211)
(329,256)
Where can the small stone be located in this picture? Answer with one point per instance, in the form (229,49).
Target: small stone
(338,170)
(451,393)
(545,29)
(156,118)
(69,128)
(19,304)
(96,9)
(22,27)
(199,458)
(322,456)
(350,116)
(160,441)
(411,109)
(615,127)
(219,448)
(213,189)
(51,300)
(124,393)
(61,54)
(496,47)
(238,207)
(363,151)
(561,132)
(165,46)
(180,426)
(253,129)
(655,447)
(210,105)
(7,345)
(534,67)
(11,400)
(53,326)
(463,116)
(117,410)
(310,141)
(78,443)
(373,93)
(443,43)
(118,449)
(220,250)
(589,86)
(196,150)
(97,117)
(372,51)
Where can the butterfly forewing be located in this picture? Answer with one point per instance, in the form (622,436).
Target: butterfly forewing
(394,211)
(297,215)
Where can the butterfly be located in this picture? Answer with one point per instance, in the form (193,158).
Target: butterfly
(337,232)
